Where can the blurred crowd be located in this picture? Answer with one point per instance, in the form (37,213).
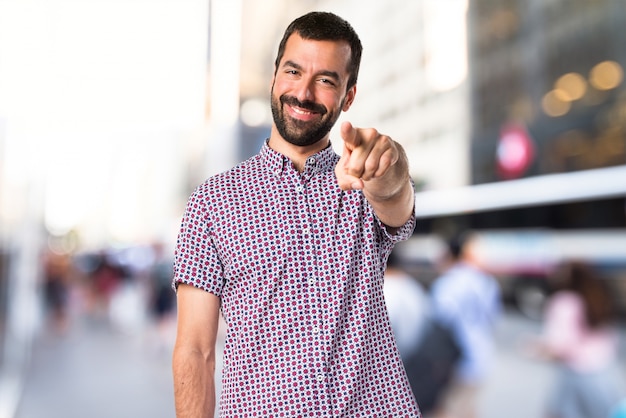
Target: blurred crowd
(445,331)
(128,289)
(445,328)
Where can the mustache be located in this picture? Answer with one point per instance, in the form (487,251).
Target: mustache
(307,104)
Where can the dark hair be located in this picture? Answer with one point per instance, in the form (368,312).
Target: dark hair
(325,26)
(456,244)
(593,288)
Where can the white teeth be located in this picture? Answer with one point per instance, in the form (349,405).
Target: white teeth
(301,112)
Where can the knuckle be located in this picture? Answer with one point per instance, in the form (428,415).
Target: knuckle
(371,132)
(371,165)
(386,141)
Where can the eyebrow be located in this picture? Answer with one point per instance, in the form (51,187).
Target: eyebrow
(326,73)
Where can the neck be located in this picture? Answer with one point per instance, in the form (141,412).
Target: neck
(296,153)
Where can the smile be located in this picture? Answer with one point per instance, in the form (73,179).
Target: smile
(301,111)
(301,114)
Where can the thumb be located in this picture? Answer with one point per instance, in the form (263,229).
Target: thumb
(348,134)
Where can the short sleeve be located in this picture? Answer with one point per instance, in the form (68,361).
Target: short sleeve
(405,231)
(196,260)
(401,234)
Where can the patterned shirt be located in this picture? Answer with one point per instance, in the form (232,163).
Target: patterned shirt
(298,264)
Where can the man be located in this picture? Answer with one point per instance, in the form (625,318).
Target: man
(291,245)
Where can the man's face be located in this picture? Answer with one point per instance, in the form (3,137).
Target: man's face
(309,89)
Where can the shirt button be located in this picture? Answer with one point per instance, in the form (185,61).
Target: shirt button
(306,231)
(316,330)
(311,160)
(277,172)
(311,281)
(320,377)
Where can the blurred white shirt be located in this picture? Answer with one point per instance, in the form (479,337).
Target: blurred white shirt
(407,304)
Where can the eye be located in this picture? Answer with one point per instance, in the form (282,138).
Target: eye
(328,81)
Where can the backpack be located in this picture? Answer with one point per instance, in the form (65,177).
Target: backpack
(431,366)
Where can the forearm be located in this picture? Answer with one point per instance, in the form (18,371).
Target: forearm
(392,195)
(194,383)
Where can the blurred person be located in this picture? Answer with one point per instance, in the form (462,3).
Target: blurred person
(57,276)
(427,350)
(291,244)
(105,281)
(467,299)
(127,306)
(580,335)
(162,299)
(407,304)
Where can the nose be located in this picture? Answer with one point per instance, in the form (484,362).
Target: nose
(304,90)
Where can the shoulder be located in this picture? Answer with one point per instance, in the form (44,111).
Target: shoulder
(234,178)
(215,191)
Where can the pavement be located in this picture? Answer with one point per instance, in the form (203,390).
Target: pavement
(97,371)
(519,384)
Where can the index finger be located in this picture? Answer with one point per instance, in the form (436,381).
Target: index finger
(349,135)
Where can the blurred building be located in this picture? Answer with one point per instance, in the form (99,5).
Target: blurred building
(548,140)
(99,104)
(556,68)
(547,126)
(548,96)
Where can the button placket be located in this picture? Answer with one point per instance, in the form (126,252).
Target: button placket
(314,291)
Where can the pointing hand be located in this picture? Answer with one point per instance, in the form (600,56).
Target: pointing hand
(367,155)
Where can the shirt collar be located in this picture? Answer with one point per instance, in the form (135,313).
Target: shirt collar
(276,162)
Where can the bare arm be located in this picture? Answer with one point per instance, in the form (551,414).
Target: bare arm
(193,361)
(377,165)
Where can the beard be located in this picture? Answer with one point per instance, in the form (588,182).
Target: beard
(298,132)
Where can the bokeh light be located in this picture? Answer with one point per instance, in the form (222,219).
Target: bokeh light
(606,75)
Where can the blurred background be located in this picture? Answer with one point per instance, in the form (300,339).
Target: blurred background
(513,115)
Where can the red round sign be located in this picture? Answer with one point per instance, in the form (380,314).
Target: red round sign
(515,151)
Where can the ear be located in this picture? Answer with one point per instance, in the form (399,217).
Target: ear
(349,98)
